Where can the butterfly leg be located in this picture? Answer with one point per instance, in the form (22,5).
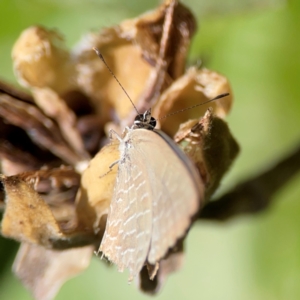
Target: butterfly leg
(110,168)
(113,134)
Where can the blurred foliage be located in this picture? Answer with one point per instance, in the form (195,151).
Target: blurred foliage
(256,45)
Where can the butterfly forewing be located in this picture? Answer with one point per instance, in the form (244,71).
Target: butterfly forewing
(128,230)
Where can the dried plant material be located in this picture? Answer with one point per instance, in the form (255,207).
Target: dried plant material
(97,82)
(18,153)
(6,88)
(189,138)
(134,48)
(39,53)
(43,271)
(211,83)
(147,30)
(55,107)
(14,160)
(53,182)
(41,60)
(91,130)
(209,143)
(96,189)
(41,129)
(224,150)
(193,88)
(75,100)
(58,188)
(173,262)
(27,217)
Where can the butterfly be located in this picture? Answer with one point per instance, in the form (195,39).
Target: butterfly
(156,193)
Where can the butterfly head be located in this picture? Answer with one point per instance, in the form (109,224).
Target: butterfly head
(145,121)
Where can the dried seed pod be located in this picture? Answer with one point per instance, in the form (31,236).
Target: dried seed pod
(147,54)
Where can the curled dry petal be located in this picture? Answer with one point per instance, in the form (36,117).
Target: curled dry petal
(56,108)
(52,181)
(43,64)
(27,217)
(98,83)
(96,188)
(147,31)
(58,188)
(193,88)
(44,271)
(209,143)
(41,60)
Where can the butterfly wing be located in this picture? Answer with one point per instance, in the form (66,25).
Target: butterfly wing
(176,191)
(127,235)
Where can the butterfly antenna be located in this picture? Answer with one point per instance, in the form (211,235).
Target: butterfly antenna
(111,72)
(196,105)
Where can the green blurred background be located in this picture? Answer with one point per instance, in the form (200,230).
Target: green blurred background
(256,44)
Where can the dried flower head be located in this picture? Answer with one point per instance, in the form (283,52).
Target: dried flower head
(53,203)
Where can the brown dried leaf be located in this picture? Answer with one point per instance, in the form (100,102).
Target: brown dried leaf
(189,138)
(44,271)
